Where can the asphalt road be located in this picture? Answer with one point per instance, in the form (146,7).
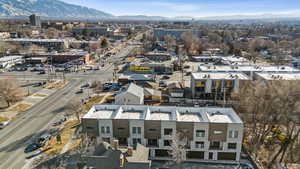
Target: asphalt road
(28,125)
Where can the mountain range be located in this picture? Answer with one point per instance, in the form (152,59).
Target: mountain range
(48,8)
(57,9)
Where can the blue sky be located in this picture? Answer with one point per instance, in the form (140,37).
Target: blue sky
(195,8)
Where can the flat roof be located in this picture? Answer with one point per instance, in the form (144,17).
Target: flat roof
(220,75)
(138,115)
(164,113)
(33,40)
(279,76)
(246,68)
(100,114)
(218,118)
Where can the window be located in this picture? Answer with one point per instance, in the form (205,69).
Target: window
(233,134)
(106,139)
(210,155)
(200,133)
(135,141)
(102,130)
(167,142)
(121,128)
(152,143)
(218,132)
(152,129)
(136,130)
(90,128)
(107,130)
(215,145)
(199,144)
(231,145)
(168,132)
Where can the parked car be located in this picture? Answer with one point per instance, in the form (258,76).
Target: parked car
(162,84)
(4,124)
(59,122)
(79,91)
(85,85)
(42,72)
(165,77)
(43,139)
(32,147)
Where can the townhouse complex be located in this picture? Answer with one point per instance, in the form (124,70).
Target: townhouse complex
(211,133)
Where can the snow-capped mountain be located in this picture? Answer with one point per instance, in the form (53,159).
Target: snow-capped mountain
(49,8)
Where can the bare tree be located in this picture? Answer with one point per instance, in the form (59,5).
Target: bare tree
(178,149)
(271,113)
(170,41)
(192,43)
(10,92)
(97,86)
(74,107)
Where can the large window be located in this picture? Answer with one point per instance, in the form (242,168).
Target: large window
(105,130)
(135,141)
(199,144)
(231,145)
(215,145)
(200,133)
(167,142)
(102,130)
(233,134)
(106,139)
(168,132)
(136,130)
(152,143)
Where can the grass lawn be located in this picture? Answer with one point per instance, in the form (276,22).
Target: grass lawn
(57,85)
(92,101)
(20,108)
(66,133)
(2,119)
(40,95)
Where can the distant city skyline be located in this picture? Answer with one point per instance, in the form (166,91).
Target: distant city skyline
(201,8)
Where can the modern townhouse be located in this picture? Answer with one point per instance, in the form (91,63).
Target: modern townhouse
(211,133)
(249,70)
(216,85)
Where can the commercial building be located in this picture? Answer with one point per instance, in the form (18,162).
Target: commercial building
(35,20)
(62,57)
(210,133)
(9,61)
(50,44)
(216,85)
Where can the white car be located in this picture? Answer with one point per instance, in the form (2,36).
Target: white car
(3,124)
